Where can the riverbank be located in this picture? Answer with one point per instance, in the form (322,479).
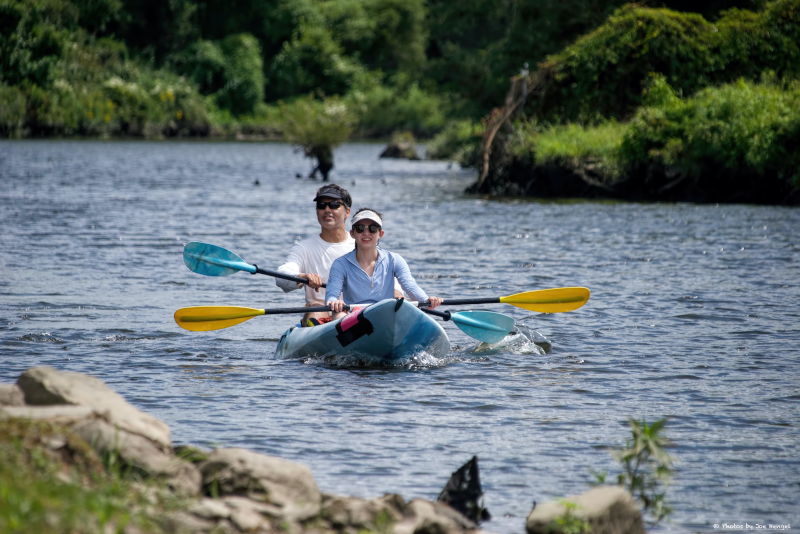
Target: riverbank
(733,143)
(77,457)
(701,112)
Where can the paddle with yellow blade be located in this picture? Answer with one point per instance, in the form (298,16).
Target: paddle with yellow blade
(485,326)
(562,299)
(206,318)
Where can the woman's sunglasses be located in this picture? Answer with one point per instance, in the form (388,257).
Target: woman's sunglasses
(373,228)
(332,205)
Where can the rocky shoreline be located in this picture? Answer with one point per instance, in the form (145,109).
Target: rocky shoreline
(233,490)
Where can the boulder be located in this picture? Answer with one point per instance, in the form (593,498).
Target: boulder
(139,452)
(210,509)
(11,395)
(402,146)
(46,386)
(180,522)
(607,510)
(369,514)
(288,486)
(425,517)
(63,414)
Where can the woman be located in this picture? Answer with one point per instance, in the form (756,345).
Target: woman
(366,275)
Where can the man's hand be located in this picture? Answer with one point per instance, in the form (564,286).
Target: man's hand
(314,280)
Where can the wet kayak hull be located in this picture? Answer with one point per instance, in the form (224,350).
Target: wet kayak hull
(390,330)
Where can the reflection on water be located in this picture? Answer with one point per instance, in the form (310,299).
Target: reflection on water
(694,316)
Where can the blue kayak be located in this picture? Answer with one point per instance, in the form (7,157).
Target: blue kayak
(388,331)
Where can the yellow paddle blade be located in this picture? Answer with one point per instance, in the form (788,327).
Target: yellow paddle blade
(205,318)
(562,299)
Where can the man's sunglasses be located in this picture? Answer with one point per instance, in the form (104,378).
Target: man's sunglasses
(332,205)
(373,228)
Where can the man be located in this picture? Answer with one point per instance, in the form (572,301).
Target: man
(312,258)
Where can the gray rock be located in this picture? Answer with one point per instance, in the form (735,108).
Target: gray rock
(140,452)
(400,150)
(362,513)
(56,414)
(236,502)
(607,509)
(11,395)
(425,517)
(210,509)
(289,486)
(248,520)
(45,386)
(224,526)
(186,523)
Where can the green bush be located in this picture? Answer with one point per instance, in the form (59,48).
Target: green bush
(458,141)
(405,107)
(602,74)
(232,70)
(12,111)
(741,126)
(313,61)
(310,122)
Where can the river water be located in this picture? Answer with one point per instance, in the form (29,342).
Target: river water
(694,316)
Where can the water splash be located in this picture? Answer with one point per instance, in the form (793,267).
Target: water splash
(523,340)
(418,360)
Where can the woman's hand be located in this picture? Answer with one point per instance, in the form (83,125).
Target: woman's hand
(435,301)
(337,305)
(314,280)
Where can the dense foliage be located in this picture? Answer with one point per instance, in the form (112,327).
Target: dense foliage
(744,129)
(602,74)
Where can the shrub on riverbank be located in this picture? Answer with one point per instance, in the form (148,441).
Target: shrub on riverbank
(602,73)
(458,141)
(742,127)
(735,139)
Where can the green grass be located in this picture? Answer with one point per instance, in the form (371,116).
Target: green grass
(69,489)
(573,145)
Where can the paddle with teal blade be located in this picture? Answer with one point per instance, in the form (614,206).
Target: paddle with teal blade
(489,327)
(211,260)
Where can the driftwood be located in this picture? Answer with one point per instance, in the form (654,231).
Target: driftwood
(522,85)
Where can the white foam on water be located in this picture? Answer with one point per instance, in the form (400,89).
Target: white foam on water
(523,340)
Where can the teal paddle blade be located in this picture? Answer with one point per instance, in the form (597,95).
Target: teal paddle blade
(211,260)
(489,327)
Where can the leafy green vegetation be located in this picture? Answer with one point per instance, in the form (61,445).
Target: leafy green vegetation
(570,522)
(747,128)
(646,467)
(572,144)
(603,73)
(744,127)
(458,141)
(52,481)
(615,89)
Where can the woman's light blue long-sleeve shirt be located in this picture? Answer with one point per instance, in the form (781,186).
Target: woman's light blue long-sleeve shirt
(348,278)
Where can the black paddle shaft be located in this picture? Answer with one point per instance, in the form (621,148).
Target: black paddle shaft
(281,275)
(277,311)
(459,302)
(444,315)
